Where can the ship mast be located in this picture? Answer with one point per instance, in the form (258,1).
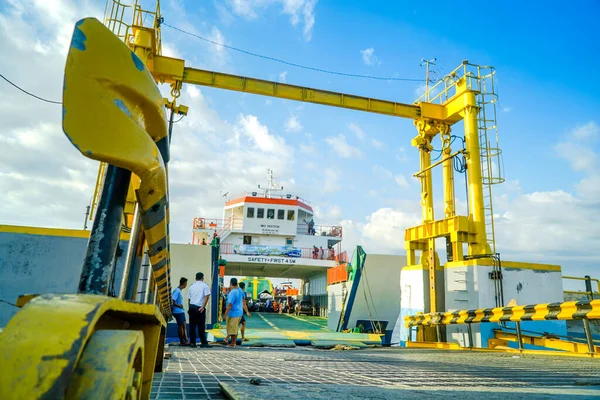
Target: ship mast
(272,184)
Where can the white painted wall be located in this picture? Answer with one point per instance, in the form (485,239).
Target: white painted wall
(380,284)
(317,284)
(470,287)
(378,295)
(413,284)
(271,226)
(335,304)
(186,260)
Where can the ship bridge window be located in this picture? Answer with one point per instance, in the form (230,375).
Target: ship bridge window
(260,213)
(247,239)
(250,212)
(280,214)
(270,213)
(291,215)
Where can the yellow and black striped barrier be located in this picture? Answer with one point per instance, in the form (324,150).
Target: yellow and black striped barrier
(566,311)
(570,310)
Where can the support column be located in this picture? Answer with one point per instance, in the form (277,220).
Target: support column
(448,174)
(475,183)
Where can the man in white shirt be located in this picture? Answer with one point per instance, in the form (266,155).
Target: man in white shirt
(198,296)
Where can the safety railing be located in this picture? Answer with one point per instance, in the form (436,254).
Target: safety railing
(319,230)
(589,289)
(567,311)
(234,224)
(123,20)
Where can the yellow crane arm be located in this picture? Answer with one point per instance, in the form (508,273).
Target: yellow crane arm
(299,93)
(174,71)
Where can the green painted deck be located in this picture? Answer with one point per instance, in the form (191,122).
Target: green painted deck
(284,330)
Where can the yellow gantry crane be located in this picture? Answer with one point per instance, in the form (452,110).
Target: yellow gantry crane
(113,112)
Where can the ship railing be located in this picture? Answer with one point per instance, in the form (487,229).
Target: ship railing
(218,224)
(306,252)
(320,230)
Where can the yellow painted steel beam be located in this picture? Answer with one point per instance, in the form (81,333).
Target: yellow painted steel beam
(113,112)
(172,70)
(488,262)
(44,341)
(439,228)
(34,230)
(298,93)
(548,342)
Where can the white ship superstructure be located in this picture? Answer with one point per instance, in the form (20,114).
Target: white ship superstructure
(270,233)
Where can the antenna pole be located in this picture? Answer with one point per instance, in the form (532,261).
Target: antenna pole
(427,63)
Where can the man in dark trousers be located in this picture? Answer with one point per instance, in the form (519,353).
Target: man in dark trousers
(198,296)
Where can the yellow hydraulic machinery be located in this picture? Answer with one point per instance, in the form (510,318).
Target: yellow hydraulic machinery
(113,112)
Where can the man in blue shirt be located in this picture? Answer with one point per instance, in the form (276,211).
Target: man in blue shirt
(179,312)
(234,311)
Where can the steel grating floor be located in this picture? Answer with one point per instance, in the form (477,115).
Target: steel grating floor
(196,373)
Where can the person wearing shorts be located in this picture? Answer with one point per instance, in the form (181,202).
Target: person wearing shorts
(179,312)
(234,311)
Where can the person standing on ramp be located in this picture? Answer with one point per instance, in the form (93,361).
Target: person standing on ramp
(198,296)
(179,312)
(234,311)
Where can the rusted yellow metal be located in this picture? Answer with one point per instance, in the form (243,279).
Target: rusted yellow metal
(496,346)
(43,368)
(121,122)
(110,367)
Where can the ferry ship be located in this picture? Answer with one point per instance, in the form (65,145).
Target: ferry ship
(270,233)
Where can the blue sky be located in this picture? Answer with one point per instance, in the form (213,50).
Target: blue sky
(355,167)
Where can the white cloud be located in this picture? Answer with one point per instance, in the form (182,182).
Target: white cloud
(243,8)
(401,154)
(506,109)
(591,130)
(401,181)
(339,145)
(44,179)
(357,131)
(311,166)
(309,147)
(556,226)
(328,214)
(331,183)
(219,55)
(377,144)
(298,11)
(382,172)
(369,57)
(576,147)
(382,232)
(282,76)
(293,124)
(259,135)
